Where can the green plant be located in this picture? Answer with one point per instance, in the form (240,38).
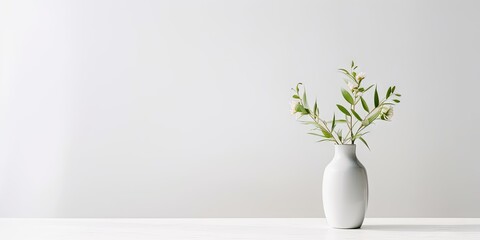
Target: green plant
(356,125)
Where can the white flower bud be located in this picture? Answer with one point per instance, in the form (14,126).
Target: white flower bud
(352,86)
(360,76)
(387,113)
(293,106)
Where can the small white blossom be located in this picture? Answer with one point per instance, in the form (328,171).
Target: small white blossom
(352,86)
(360,76)
(293,106)
(387,113)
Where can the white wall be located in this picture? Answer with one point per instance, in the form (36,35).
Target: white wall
(180,108)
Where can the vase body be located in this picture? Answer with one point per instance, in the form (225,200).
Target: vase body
(345,189)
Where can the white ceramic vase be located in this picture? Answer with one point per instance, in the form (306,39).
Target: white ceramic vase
(345,189)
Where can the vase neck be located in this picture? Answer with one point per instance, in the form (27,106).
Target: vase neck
(346,151)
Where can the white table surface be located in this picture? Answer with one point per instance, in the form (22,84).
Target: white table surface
(237,228)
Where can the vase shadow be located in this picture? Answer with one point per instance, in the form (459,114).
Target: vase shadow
(424,228)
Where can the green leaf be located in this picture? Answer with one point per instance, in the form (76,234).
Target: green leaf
(344,71)
(333,122)
(315,134)
(298,89)
(315,108)
(328,140)
(375,100)
(353,64)
(398,95)
(393,89)
(347,73)
(356,115)
(364,142)
(374,116)
(358,135)
(369,87)
(325,132)
(389,91)
(347,96)
(343,109)
(364,104)
(337,121)
(296,96)
(301,109)
(396,100)
(305,98)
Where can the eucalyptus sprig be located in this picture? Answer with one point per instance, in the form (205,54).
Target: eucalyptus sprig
(354,119)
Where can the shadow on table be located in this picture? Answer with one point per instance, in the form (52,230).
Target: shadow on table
(424,228)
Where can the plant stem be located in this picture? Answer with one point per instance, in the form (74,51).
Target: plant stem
(312,116)
(326,127)
(379,105)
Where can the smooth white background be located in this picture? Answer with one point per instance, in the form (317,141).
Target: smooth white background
(181,108)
